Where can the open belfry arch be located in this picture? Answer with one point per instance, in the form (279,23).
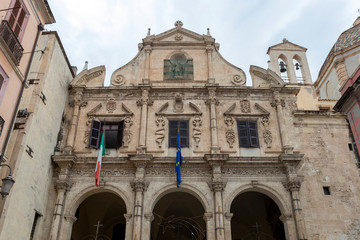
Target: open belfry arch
(242,147)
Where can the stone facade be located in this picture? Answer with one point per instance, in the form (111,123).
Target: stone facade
(301,154)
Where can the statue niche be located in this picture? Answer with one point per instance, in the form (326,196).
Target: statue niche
(178,67)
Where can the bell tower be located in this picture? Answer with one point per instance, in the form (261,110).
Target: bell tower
(289,61)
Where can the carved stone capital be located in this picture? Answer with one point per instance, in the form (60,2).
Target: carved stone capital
(285,217)
(65,164)
(293,185)
(212,98)
(149,217)
(228,215)
(207,216)
(209,49)
(127,217)
(139,186)
(69,218)
(63,185)
(78,97)
(217,186)
(147,49)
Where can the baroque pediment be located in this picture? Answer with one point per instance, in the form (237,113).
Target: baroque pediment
(90,77)
(178,35)
(286,45)
(265,77)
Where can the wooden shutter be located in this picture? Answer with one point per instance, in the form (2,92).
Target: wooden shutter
(95,134)
(184,133)
(243,131)
(173,126)
(254,140)
(120,134)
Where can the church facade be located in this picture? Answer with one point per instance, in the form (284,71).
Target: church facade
(255,166)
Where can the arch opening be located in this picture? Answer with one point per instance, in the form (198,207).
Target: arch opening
(282,62)
(100,216)
(256,216)
(298,70)
(178,215)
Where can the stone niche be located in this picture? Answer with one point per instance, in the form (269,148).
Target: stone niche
(178,67)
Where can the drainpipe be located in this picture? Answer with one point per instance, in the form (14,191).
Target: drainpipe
(40,29)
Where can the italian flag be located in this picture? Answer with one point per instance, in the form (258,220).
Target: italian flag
(99,160)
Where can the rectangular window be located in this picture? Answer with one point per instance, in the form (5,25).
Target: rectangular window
(248,134)
(113,134)
(183,128)
(17,18)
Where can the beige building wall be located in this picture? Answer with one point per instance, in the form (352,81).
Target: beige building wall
(33,191)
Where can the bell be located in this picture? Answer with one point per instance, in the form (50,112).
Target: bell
(297,66)
(282,66)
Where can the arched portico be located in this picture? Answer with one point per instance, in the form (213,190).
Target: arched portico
(272,197)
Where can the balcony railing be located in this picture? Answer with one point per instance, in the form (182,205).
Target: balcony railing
(11,41)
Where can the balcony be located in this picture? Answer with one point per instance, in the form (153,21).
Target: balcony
(11,41)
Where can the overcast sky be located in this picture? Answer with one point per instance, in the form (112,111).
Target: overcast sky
(107,32)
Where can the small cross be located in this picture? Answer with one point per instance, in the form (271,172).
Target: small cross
(257,226)
(98,225)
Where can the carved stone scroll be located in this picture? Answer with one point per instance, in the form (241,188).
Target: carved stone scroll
(128,122)
(230,133)
(160,131)
(266,133)
(197,122)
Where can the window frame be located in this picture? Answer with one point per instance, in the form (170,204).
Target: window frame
(25,20)
(185,136)
(251,133)
(4,83)
(96,131)
(2,124)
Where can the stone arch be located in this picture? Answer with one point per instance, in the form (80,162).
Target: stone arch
(284,207)
(168,56)
(187,188)
(89,191)
(284,75)
(300,74)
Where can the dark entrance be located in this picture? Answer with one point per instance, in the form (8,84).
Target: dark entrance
(256,217)
(178,216)
(102,213)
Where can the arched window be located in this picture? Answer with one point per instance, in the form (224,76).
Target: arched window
(298,70)
(283,68)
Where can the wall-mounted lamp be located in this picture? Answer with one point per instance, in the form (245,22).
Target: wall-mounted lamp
(7,183)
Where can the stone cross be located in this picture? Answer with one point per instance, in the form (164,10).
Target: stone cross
(98,225)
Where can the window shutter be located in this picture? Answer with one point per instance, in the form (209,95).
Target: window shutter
(254,140)
(173,133)
(244,140)
(120,134)
(95,134)
(184,133)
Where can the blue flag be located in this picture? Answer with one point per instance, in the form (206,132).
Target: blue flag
(178,161)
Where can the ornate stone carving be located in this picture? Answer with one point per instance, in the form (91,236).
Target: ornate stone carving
(238,80)
(144,100)
(178,23)
(128,122)
(178,37)
(212,98)
(178,103)
(139,186)
(230,133)
(86,138)
(245,106)
(271,172)
(119,79)
(267,138)
(293,185)
(217,186)
(111,105)
(63,185)
(197,123)
(265,121)
(160,131)
(292,106)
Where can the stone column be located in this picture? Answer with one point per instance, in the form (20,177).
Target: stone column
(341,71)
(61,187)
(278,104)
(146,78)
(291,161)
(213,102)
(209,229)
(77,104)
(228,217)
(209,50)
(69,221)
(217,186)
(149,217)
(143,102)
(290,231)
(128,225)
(139,186)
